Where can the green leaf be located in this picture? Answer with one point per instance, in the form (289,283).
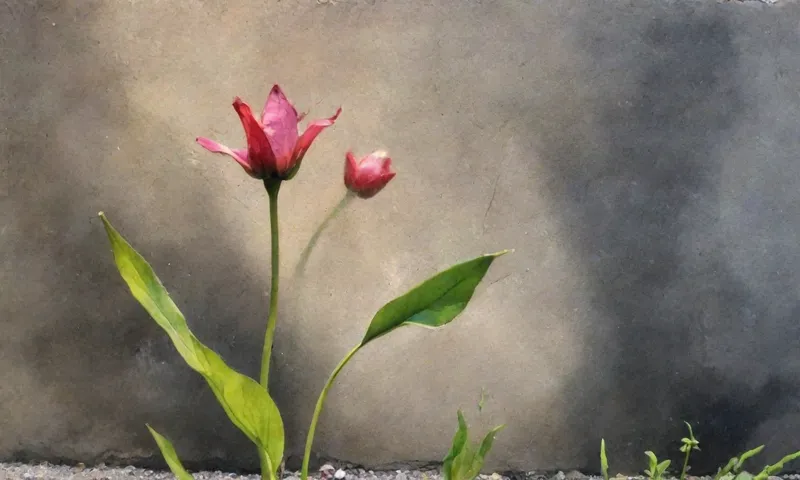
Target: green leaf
(653,461)
(463,463)
(244,400)
(484,449)
(168,451)
(459,441)
(434,302)
(603,459)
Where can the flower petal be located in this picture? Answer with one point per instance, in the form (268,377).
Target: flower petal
(375,171)
(350,170)
(312,130)
(279,119)
(238,154)
(259,150)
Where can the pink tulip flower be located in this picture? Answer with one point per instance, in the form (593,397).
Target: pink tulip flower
(274,148)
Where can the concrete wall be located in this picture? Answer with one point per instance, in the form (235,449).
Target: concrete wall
(641,157)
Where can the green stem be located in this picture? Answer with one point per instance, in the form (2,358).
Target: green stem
(318,410)
(273,186)
(301,264)
(685,463)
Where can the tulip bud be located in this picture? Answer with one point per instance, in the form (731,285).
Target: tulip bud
(368,176)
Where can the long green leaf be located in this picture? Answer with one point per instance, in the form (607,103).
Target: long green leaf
(246,402)
(434,302)
(168,451)
(603,459)
(459,441)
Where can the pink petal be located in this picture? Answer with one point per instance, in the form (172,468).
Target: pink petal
(350,170)
(259,150)
(312,130)
(374,172)
(279,119)
(238,154)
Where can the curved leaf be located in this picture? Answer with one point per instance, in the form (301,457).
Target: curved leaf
(168,451)
(483,451)
(246,402)
(434,302)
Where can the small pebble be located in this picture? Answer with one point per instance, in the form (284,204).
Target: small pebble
(339,475)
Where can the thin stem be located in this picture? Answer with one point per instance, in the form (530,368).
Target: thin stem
(301,264)
(318,410)
(273,186)
(685,463)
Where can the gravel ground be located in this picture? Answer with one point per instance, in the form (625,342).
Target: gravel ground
(45,471)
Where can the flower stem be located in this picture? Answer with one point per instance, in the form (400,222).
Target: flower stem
(318,410)
(322,226)
(273,186)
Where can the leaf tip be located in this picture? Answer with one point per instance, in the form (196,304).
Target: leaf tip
(102,216)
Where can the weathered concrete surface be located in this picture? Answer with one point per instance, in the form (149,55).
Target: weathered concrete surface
(641,157)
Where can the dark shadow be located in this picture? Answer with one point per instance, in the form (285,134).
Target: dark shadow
(86,365)
(664,94)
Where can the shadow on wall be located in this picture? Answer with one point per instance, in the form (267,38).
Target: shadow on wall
(86,365)
(659,107)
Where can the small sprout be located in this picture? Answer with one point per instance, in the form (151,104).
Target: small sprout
(603,459)
(688,444)
(464,461)
(656,470)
